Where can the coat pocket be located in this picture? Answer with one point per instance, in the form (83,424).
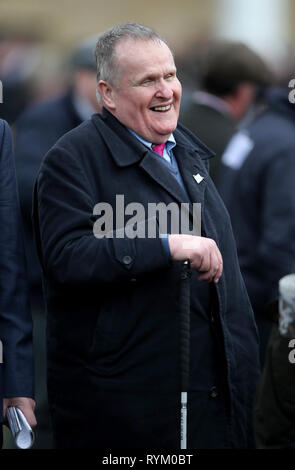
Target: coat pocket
(115,323)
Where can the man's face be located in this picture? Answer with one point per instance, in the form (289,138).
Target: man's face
(146,96)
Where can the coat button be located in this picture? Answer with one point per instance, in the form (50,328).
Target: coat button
(213,392)
(127,260)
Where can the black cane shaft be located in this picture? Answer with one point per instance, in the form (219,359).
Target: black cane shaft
(184,302)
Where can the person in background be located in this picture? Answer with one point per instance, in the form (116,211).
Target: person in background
(36,130)
(230,76)
(16,352)
(257,185)
(274,406)
(113,299)
(19,57)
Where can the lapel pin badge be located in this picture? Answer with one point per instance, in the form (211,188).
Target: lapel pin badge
(198,178)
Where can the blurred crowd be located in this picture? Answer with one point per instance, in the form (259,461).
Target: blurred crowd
(232,100)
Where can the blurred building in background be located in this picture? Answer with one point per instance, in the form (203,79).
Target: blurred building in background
(46,31)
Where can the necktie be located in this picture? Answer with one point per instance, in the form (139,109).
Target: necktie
(159,149)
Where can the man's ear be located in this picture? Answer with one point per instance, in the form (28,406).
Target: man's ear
(106,93)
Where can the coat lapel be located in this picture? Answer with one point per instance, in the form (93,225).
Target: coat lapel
(127,150)
(158,171)
(193,173)
(191,155)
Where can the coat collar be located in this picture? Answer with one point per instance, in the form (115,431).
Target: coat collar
(119,140)
(189,152)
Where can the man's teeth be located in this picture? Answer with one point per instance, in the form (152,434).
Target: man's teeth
(162,108)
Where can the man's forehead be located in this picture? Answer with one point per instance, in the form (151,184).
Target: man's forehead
(126,47)
(142,55)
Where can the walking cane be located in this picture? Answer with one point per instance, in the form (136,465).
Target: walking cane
(184,317)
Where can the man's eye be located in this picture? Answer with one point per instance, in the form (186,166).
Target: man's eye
(148,81)
(170,76)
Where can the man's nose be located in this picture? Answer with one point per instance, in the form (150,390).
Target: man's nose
(164,89)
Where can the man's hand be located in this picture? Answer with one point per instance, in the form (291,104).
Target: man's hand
(203,254)
(26,405)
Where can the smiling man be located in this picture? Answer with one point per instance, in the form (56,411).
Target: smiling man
(113,301)
(145,96)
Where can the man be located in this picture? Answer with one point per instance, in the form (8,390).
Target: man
(16,355)
(258,172)
(231,74)
(113,301)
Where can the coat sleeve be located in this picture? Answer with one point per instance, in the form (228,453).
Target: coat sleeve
(15,316)
(63,222)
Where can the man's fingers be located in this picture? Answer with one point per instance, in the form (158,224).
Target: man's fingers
(219,271)
(214,272)
(202,252)
(26,405)
(218,267)
(30,416)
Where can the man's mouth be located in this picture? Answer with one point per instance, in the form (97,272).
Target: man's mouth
(161,109)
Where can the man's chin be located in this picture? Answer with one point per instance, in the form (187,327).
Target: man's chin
(164,133)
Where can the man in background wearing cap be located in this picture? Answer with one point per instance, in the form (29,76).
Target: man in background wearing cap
(36,131)
(230,74)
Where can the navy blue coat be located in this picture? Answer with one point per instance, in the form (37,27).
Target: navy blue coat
(113,303)
(260,198)
(16,371)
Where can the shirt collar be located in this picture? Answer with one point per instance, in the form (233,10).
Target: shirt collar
(170,143)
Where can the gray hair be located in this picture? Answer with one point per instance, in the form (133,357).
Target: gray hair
(106,66)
